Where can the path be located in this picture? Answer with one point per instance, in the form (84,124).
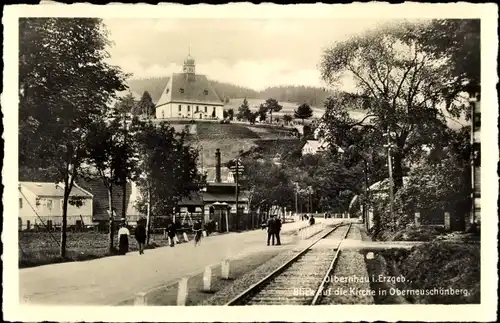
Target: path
(111,280)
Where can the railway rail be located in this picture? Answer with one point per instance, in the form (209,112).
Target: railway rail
(301,280)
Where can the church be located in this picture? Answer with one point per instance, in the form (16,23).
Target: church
(189,96)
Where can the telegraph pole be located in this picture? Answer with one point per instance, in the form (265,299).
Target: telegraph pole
(124,197)
(389,146)
(236,193)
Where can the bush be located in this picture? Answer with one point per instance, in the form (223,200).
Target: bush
(444,265)
(417,234)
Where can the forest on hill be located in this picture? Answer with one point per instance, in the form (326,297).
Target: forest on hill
(314,96)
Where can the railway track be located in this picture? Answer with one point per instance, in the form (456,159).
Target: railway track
(301,280)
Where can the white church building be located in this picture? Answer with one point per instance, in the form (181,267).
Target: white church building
(189,96)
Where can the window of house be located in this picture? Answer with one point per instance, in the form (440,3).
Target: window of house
(205,109)
(205,92)
(189,108)
(180,108)
(181,90)
(20,203)
(37,201)
(197,108)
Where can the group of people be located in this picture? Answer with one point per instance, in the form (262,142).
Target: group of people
(273,230)
(139,234)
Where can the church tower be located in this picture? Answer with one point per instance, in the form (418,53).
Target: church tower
(189,67)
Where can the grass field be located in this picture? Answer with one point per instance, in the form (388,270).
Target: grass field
(40,248)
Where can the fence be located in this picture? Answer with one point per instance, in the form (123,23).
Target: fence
(53,222)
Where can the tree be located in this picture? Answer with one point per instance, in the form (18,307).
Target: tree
(167,169)
(225,114)
(230,114)
(403,86)
(262,112)
(64,86)
(304,111)
(110,158)
(287,118)
(244,111)
(145,105)
(271,105)
(459,42)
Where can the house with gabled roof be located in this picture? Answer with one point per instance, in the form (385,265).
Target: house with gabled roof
(188,95)
(40,204)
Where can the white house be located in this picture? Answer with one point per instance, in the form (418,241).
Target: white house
(41,204)
(312,147)
(189,95)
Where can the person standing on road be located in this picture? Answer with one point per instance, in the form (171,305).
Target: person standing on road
(198,230)
(171,232)
(312,220)
(123,234)
(271,229)
(277,231)
(140,235)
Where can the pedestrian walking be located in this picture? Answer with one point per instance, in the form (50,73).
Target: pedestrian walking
(171,233)
(140,235)
(198,230)
(277,230)
(271,227)
(312,220)
(123,234)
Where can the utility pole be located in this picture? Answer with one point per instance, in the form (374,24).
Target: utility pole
(236,169)
(236,181)
(389,146)
(124,197)
(297,198)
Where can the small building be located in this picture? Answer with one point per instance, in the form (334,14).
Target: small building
(188,95)
(41,204)
(313,147)
(219,198)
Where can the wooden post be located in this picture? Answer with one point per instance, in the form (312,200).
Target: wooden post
(140,299)
(417,219)
(204,233)
(182,292)
(447,221)
(207,279)
(225,269)
(184,234)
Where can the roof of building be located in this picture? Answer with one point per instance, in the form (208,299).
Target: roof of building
(53,189)
(224,197)
(101,199)
(316,144)
(193,89)
(194,199)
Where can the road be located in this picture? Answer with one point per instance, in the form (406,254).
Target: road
(111,280)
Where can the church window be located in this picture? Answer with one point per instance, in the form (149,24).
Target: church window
(167,90)
(206,92)
(181,90)
(180,108)
(197,108)
(205,109)
(189,108)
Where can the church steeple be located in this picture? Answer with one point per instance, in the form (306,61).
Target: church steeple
(189,64)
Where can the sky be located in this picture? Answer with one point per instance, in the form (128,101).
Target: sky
(254,53)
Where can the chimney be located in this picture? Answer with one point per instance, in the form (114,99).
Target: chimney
(217,166)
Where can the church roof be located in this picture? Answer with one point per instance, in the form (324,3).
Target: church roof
(194,89)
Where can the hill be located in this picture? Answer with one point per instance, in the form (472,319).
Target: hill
(295,95)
